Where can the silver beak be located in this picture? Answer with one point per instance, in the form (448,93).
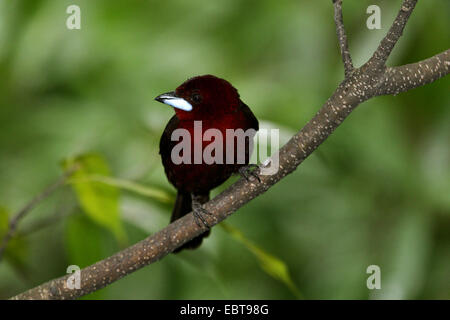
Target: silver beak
(171,99)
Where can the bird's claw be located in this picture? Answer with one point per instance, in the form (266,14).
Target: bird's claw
(198,211)
(250,171)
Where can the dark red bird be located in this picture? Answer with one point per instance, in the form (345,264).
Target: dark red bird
(216,103)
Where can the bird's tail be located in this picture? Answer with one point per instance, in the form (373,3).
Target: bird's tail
(183,205)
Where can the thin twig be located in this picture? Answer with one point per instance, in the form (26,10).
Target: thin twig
(384,50)
(410,76)
(30,206)
(59,214)
(342,38)
(146,191)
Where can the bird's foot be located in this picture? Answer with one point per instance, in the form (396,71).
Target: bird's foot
(250,172)
(199,213)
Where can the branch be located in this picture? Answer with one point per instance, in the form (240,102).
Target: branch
(410,76)
(342,37)
(362,84)
(384,50)
(30,206)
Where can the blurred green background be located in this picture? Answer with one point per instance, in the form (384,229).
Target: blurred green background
(377,192)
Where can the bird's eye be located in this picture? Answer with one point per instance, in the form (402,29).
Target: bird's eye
(196,98)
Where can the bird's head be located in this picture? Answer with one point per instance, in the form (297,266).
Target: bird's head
(202,97)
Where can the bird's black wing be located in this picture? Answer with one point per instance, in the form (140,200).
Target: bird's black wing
(166,144)
(249,115)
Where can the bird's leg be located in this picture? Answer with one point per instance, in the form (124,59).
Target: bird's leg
(250,171)
(199,212)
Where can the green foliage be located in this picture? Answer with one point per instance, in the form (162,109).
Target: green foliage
(4,222)
(100,201)
(86,250)
(272,265)
(146,191)
(95,244)
(16,249)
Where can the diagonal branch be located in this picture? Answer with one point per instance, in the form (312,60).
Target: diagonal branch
(342,37)
(362,84)
(388,43)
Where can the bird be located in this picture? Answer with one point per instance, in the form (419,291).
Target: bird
(215,104)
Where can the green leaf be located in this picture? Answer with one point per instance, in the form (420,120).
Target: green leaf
(270,264)
(98,200)
(87,242)
(84,239)
(16,253)
(16,249)
(4,222)
(146,191)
